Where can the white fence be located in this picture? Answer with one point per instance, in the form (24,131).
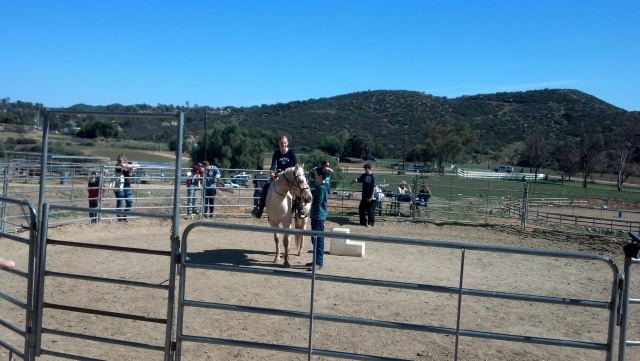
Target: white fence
(497,175)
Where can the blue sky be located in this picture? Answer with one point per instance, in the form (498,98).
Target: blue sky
(244,53)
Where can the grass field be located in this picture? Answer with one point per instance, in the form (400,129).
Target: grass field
(602,187)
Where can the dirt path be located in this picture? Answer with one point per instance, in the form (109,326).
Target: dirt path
(394,262)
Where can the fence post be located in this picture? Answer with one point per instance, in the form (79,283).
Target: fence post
(486,207)
(525,203)
(450,197)
(414,196)
(5,191)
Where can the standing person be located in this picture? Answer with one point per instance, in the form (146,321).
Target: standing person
(123,191)
(368,202)
(282,159)
(325,164)
(193,186)
(379,196)
(211,177)
(318,215)
(259,181)
(96,193)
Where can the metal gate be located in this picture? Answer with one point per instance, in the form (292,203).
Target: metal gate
(459,290)
(632,256)
(26,332)
(43,303)
(37,272)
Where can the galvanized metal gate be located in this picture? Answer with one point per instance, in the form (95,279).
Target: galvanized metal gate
(632,256)
(26,331)
(183,302)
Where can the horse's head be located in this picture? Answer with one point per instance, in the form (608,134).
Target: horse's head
(299,184)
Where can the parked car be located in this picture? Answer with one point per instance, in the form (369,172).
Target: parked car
(229,184)
(241,178)
(504,168)
(372,158)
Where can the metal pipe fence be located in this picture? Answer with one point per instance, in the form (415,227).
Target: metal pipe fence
(617,303)
(452,199)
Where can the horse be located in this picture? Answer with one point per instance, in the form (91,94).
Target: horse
(279,203)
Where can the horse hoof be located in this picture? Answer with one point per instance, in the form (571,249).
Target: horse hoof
(286,265)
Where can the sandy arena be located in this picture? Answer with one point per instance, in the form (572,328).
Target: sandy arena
(488,271)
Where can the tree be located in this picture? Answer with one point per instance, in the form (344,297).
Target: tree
(229,146)
(172,144)
(626,139)
(536,152)
(332,145)
(590,145)
(315,159)
(447,140)
(98,128)
(415,155)
(361,145)
(566,157)
(2,152)
(379,151)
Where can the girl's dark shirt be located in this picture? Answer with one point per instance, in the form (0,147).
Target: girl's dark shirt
(283,161)
(127,176)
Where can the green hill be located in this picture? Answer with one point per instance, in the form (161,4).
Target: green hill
(500,119)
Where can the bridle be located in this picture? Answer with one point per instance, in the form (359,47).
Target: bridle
(291,184)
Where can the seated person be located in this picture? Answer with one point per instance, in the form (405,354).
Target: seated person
(404,192)
(423,195)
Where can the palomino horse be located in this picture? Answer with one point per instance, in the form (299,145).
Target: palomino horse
(279,203)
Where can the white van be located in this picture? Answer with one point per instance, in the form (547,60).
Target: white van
(504,168)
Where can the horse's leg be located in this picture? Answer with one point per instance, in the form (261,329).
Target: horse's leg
(277,240)
(285,243)
(286,224)
(300,224)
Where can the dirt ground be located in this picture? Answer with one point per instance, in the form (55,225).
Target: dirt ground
(569,278)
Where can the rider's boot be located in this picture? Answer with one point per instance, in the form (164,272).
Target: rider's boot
(302,213)
(257,211)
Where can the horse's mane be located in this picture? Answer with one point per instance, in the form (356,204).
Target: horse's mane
(297,168)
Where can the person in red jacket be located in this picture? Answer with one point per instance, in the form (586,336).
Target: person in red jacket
(96,194)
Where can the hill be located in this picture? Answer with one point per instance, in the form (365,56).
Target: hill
(500,119)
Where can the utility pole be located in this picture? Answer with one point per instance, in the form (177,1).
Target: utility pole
(404,146)
(206,110)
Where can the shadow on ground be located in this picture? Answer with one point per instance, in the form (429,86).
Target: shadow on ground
(239,257)
(343,221)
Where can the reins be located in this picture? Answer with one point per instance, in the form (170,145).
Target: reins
(290,184)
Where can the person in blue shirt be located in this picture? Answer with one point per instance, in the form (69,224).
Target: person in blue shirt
(325,164)
(318,215)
